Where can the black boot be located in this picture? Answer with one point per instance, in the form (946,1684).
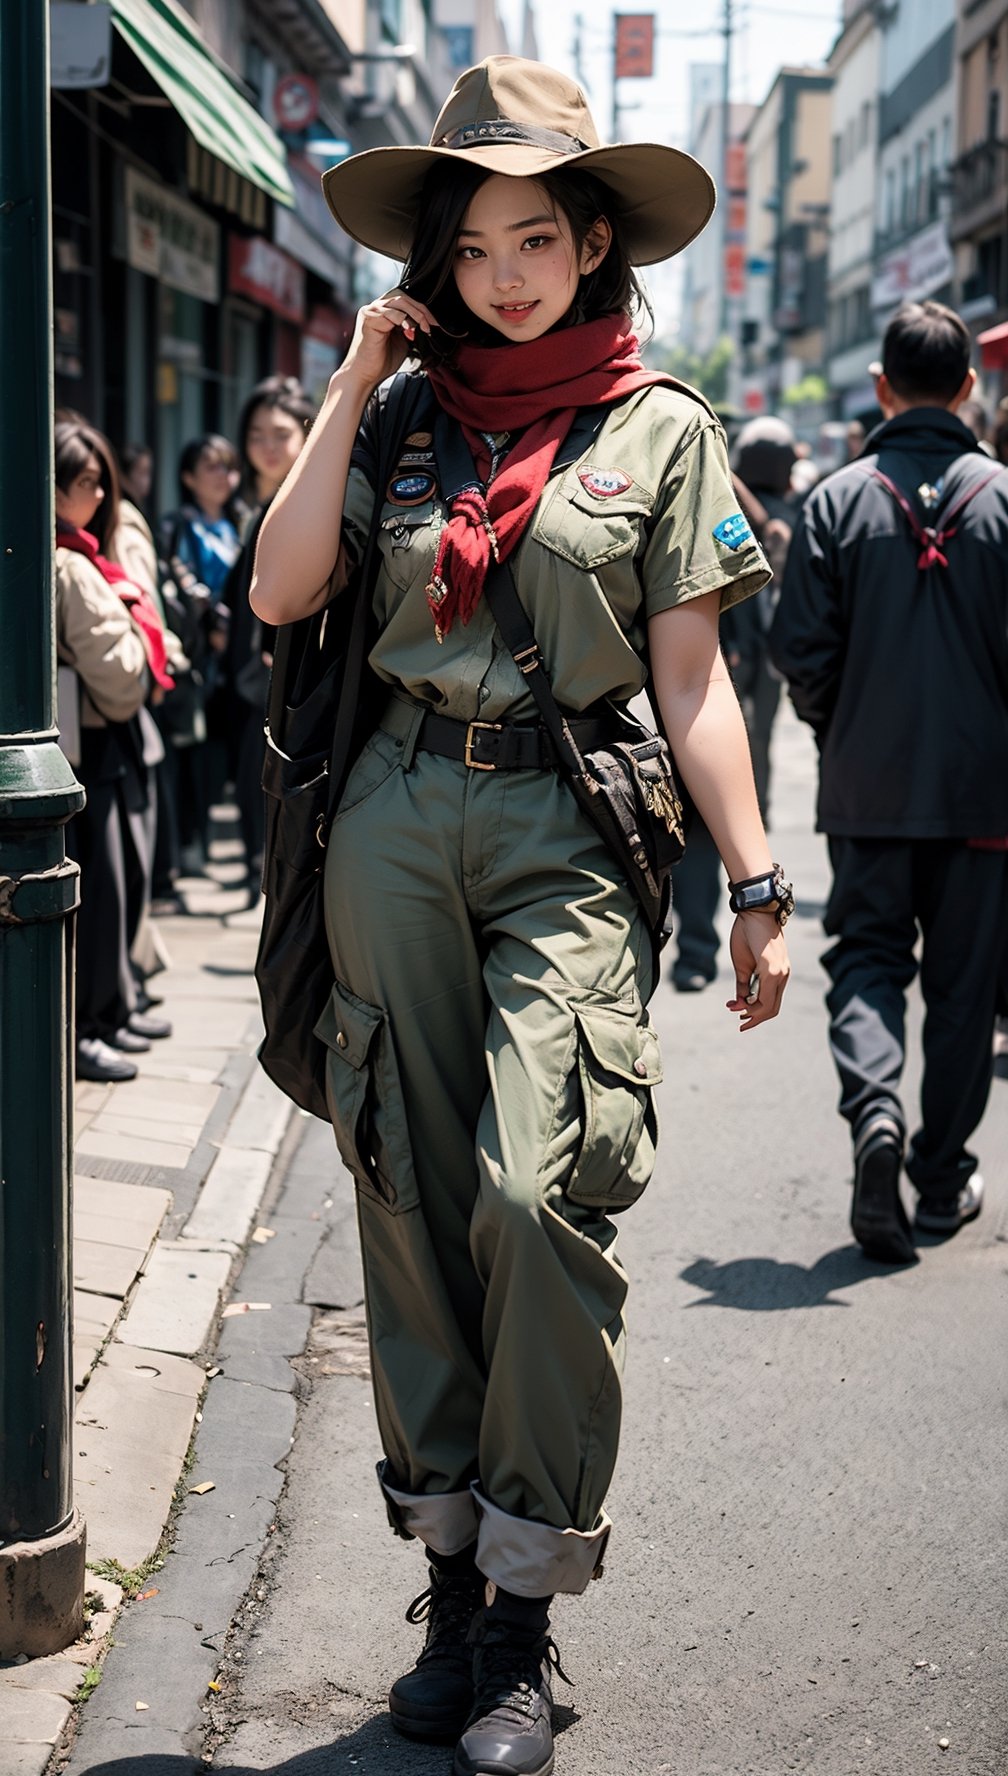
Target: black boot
(433,1700)
(510,1729)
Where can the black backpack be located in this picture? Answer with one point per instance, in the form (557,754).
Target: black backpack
(324,701)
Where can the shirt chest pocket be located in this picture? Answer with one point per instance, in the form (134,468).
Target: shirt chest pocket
(592,521)
(407,539)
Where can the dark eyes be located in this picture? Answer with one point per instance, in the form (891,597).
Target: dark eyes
(533,240)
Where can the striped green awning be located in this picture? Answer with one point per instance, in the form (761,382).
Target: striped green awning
(216,113)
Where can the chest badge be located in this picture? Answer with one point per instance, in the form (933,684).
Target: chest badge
(411,489)
(604,483)
(419,441)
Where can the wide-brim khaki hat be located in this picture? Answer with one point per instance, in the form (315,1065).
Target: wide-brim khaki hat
(521,118)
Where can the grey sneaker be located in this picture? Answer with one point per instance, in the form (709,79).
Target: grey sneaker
(946,1214)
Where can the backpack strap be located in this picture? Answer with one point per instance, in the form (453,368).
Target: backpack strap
(933,538)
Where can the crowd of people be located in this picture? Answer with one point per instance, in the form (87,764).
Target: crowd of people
(162,682)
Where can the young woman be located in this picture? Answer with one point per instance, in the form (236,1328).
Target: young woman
(272,430)
(110,642)
(200,543)
(491,1066)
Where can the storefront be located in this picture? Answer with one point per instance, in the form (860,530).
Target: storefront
(150,181)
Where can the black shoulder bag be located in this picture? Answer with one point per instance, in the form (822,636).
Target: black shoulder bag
(324,702)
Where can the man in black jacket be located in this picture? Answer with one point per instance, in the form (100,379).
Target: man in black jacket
(892,630)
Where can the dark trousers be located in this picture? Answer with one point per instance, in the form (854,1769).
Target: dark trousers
(98,839)
(696,893)
(885,893)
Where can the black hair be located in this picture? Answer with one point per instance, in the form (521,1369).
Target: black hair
(191,454)
(74,442)
(282,392)
(926,353)
(130,455)
(429,274)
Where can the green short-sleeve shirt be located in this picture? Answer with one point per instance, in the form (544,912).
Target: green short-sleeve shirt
(643,520)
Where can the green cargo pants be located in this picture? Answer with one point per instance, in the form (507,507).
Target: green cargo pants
(490,1077)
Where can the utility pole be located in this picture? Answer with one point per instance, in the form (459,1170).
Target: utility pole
(41,1536)
(727,29)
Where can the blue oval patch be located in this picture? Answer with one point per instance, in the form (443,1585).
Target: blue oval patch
(411,490)
(733,531)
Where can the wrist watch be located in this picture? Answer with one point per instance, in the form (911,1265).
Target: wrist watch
(768,893)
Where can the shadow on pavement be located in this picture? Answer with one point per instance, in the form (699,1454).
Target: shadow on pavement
(766,1285)
(386,1754)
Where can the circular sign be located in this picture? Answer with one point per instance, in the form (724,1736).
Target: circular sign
(295,102)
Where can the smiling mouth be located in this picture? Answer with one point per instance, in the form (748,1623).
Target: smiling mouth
(515,310)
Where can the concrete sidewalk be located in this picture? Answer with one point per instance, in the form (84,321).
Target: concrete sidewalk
(169,1171)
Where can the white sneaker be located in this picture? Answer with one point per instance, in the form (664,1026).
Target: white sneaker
(948,1214)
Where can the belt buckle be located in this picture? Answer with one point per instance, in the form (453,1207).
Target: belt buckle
(475,764)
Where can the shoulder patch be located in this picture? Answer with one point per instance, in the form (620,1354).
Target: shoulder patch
(733,531)
(604,483)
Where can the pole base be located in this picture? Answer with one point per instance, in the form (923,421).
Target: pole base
(42,1593)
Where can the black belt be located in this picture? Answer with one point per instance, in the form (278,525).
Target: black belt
(505,746)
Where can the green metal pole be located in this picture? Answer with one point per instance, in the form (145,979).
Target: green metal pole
(41,1540)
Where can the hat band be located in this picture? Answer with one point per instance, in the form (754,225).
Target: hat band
(475,134)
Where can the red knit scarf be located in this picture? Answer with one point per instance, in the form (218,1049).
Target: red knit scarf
(139,603)
(540,386)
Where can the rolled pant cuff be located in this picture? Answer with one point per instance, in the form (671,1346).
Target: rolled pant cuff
(534,1559)
(446,1522)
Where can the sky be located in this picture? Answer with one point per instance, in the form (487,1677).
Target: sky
(766,37)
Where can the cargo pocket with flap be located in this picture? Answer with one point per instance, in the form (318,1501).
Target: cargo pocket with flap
(618,1065)
(364,1095)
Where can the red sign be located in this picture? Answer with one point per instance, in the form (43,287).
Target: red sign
(735,269)
(736,216)
(634,45)
(737,169)
(753,401)
(295,102)
(258,269)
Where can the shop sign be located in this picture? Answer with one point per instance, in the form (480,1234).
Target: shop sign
(258,269)
(634,51)
(919,268)
(295,103)
(170,239)
(734,269)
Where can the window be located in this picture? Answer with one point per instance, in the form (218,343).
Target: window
(865,123)
(993,115)
(837,156)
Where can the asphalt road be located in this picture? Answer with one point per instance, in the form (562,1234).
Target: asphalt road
(807,1568)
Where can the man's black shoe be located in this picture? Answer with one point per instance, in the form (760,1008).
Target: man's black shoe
(510,1729)
(433,1700)
(946,1214)
(878,1218)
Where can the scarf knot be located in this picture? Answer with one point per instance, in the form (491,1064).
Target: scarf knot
(540,386)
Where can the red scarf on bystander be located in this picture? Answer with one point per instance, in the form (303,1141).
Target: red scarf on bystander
(538,386)
(138,602)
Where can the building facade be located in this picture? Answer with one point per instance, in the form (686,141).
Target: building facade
(854,63)
(787,230)
(193,251)
(978,224)
(916,135)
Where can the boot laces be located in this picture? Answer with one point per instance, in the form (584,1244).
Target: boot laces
(447,1606)
(508,1668)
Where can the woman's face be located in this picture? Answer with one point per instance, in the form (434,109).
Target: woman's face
(516,265)
(211,482)
(77,505)
(137,483)
(273,444)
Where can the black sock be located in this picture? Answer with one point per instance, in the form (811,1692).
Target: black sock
(523,1612)
(454,1565)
